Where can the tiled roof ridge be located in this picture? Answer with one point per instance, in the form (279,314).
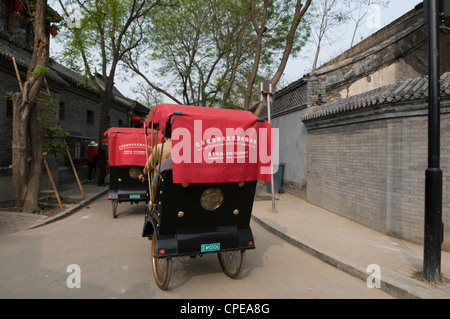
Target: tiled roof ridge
(409,90)
(23,57)
(58,72)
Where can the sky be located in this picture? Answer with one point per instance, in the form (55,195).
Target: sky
(298,67)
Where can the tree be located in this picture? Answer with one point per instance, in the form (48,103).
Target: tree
(287,31)
(359,11)
(194,45)
(106,30)
(207,51)
(26,180)
(239,40)
(330,16)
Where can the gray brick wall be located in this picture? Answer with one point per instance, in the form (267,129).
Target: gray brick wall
(77,101)
(76,107)
(307,91)
(289,105)
(293,150)
(373,172)
(7,84)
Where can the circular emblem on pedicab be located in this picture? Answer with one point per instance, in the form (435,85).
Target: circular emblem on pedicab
(134,172)
(211,199)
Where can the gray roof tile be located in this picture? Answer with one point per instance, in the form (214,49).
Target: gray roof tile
(410,90)
(23,58)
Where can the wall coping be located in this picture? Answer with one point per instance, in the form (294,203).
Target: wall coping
(401,99)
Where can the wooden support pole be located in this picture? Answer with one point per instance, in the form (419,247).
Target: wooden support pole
(17,73)
(53,183)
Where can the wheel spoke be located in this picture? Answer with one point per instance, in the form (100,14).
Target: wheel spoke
(231,262)
(114,208)
(162,267)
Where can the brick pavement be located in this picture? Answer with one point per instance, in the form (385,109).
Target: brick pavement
(12,221)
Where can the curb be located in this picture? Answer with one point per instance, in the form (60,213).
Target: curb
(390,288)
(68,211)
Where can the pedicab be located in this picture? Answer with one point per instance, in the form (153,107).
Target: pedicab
(127,156)
(201,202)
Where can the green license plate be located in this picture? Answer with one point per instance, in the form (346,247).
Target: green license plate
(210,247)
(135,196)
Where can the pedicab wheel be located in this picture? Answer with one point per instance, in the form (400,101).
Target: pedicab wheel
(115,203)
(231,262)
(162,267)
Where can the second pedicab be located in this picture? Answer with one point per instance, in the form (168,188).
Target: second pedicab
(127,156)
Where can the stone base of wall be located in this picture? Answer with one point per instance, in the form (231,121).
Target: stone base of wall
(294,188)
(66,174)
(63,175)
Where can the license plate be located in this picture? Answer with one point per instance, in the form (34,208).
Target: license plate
(135,196)
(210,247)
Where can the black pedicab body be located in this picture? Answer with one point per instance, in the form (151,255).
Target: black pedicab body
(127,158)
(182,224)
(125,186)
(197,218)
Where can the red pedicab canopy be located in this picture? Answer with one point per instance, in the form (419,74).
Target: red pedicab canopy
(211,145)
(126,146)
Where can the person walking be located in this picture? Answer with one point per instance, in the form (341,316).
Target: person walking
(92,160)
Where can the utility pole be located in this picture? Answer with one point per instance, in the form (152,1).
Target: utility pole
(266,92)
(434,10)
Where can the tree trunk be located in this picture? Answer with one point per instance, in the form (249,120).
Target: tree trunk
(316,56)
(300,11)
(105,104)
(26,182)
(235,63)
(19,148)
(31,200)
(259,39)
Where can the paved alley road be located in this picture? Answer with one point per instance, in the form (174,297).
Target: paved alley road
(114,262)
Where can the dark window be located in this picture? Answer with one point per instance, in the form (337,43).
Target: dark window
(120,123)
(78,150)
(62,110)
(90,117)
(9,109)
